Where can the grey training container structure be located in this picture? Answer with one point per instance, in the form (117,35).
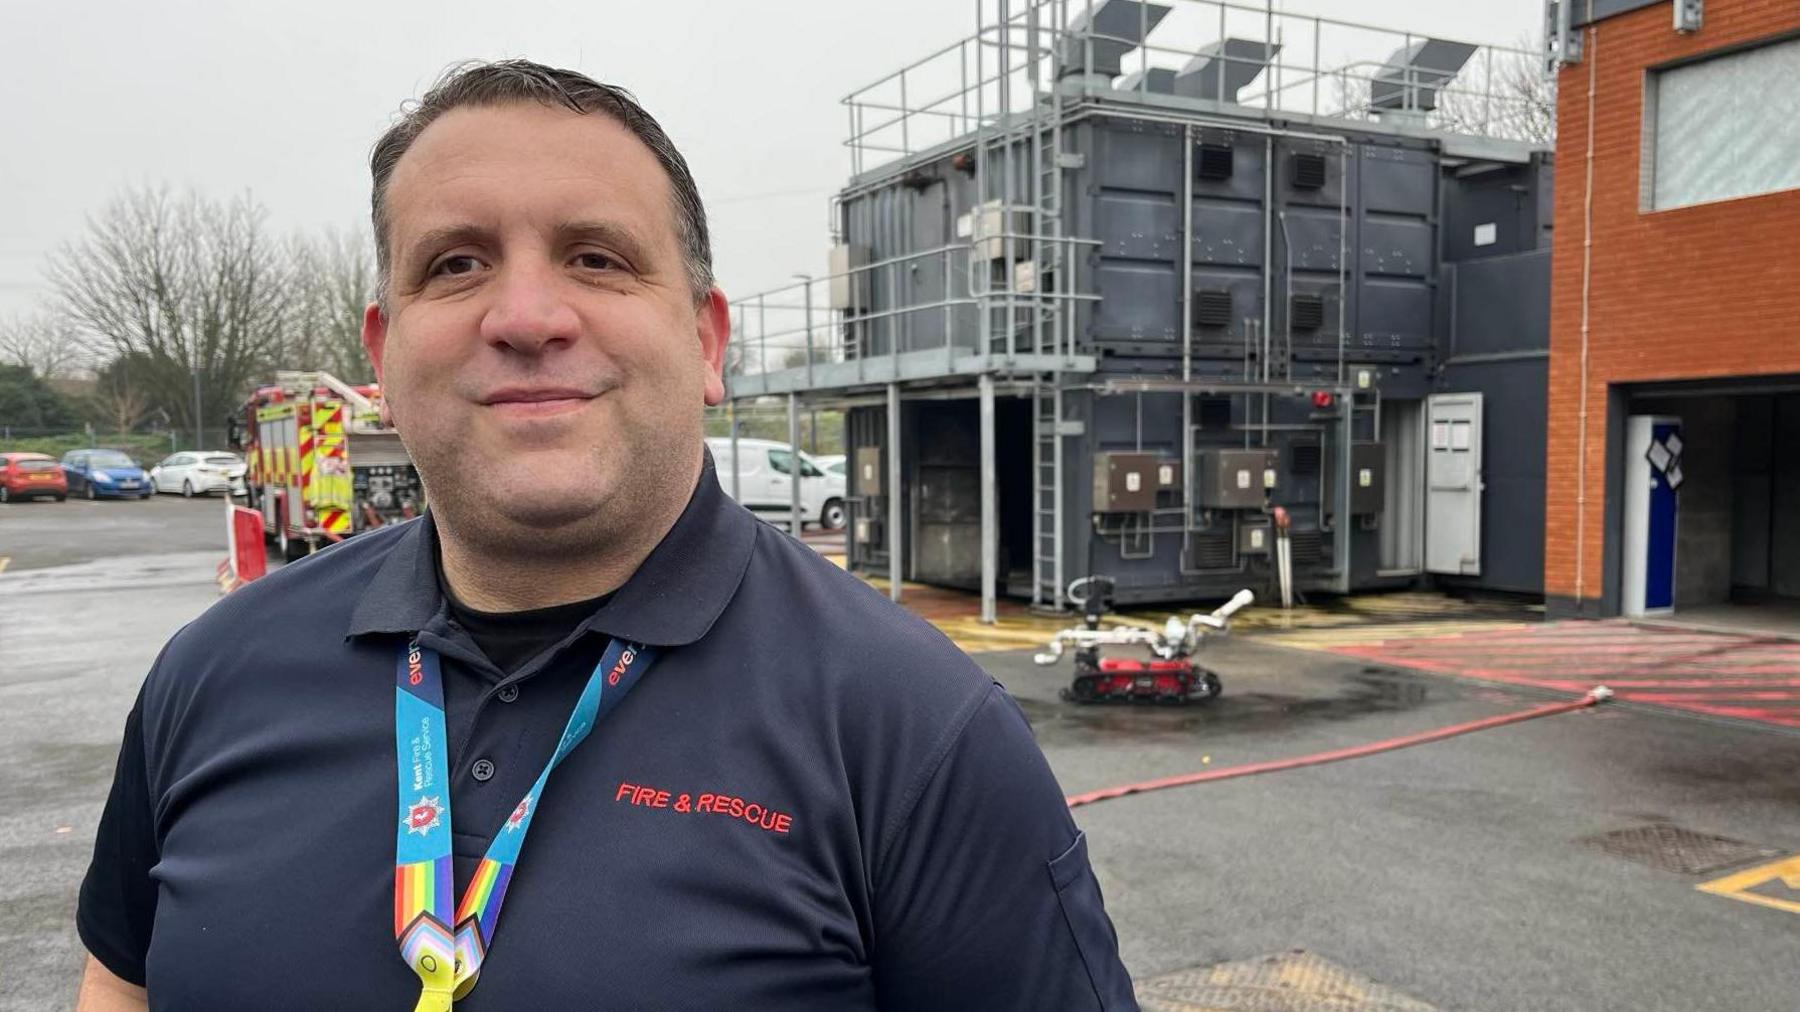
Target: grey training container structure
(1093,264)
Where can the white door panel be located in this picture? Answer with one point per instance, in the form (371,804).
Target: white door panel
(1453,484)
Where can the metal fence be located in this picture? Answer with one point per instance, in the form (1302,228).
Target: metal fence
(146,448)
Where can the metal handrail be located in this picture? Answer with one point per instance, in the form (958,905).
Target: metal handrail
(1034,46)
(980,298)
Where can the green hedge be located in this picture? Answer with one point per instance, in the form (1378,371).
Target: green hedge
(145,448)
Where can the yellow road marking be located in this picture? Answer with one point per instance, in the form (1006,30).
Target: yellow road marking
(1738,886)
(4,559)
(1354,621)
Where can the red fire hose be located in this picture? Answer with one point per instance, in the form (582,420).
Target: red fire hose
(1599,694)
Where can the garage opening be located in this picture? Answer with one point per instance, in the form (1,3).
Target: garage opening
(1732,464)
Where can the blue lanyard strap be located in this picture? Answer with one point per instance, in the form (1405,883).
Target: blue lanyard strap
(445,950)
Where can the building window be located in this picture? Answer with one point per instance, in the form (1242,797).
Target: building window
(1722,127)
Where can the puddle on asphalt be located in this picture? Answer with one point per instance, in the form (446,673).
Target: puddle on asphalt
(1768,775)
(1367,692)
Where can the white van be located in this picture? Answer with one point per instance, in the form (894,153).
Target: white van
(765,476)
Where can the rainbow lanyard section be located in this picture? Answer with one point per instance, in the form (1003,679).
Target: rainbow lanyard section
(446,960)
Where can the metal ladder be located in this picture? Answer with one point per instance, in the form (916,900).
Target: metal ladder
(1049,320)
(1035,134)
(1046,497)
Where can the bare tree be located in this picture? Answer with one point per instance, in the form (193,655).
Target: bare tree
(119,399)
(190,284)
(333,279)
(50,344)
(1504,93)
(1350,95)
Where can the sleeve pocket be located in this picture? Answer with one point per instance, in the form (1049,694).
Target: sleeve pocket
(1078,892)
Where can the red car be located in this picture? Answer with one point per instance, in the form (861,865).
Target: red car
(29,475)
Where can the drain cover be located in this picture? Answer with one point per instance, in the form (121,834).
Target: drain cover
(1284,982)
(1672,848)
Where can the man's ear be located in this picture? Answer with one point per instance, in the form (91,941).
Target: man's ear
(374,342)
(374,335)
(713,326)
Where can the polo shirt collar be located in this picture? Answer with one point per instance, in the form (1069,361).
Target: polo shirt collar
(673,599)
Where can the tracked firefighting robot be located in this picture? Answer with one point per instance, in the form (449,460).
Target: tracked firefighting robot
(1171,674)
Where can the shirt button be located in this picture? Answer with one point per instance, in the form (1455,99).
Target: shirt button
(483,770)
(508,693)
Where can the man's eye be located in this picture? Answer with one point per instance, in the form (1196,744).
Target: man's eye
(456,265)
(596,261)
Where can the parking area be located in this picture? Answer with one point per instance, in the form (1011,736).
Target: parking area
(35,535)
(1625,856)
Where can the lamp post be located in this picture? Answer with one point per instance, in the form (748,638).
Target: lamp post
(199,433)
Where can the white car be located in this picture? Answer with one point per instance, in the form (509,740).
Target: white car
(199,472)
(833,463)
(765,482)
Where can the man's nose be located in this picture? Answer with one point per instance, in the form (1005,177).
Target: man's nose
(529,312)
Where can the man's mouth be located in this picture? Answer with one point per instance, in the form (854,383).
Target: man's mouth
(536,402)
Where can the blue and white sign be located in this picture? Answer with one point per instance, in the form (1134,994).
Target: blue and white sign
(1653,447)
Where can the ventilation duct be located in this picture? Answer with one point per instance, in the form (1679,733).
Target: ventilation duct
(1413,75)
(1223,69)
(1112,28)
(1161,81)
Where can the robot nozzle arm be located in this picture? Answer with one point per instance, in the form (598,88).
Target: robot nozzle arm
(1238,601)
(1221,616)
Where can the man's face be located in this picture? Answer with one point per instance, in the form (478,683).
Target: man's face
(542,355)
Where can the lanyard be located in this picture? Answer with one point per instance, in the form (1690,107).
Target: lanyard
(446,958)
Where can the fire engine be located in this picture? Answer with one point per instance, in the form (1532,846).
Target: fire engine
(323,465)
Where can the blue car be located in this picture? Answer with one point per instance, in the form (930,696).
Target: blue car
(107,474)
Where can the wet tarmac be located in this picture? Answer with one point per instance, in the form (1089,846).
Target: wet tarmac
(1266,693)
(1453,871)
(42,533)
(1239,713)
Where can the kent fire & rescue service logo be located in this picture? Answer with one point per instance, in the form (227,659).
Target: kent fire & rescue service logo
(517,818)
(424,816)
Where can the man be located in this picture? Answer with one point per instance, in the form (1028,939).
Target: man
(793,795)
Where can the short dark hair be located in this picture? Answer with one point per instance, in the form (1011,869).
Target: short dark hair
(480,83)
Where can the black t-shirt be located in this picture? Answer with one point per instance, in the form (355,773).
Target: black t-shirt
(510,638)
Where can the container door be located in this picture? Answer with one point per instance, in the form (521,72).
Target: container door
(1453,485)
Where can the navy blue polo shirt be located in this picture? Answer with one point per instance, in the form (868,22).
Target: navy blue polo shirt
(813,800)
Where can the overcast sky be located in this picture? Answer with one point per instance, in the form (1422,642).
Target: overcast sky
(284,100)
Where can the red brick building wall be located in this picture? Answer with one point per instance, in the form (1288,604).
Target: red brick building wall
(1685,293)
